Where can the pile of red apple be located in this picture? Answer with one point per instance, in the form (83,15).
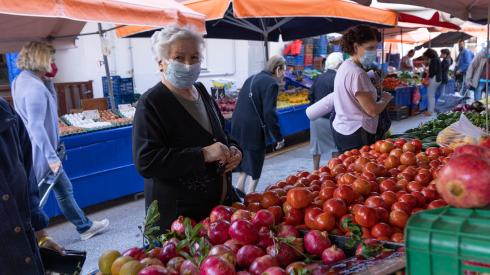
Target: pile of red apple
(226,104)
(378,187)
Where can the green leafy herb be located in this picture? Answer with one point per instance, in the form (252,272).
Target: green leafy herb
(150,228)
(349,225)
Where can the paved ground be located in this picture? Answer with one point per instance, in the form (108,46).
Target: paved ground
(126,215)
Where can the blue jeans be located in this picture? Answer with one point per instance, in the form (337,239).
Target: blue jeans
(63,191)
(478,91)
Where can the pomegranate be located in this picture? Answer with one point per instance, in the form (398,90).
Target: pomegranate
(233,245)
(241,214)
(261,264)
(223,252)
(153,270)
(286,230)
(188,268)
(475,150)
(247,254)
(243,231)
(465,181)
(218,232)
(214,265)
(243,273)
(284,254)
(274,271)
(316,242)
(175,263)
(296,268)
(178,225)
(265,237)
(221,212)
(135,253)
(167,252)
(332,255)
(262,218)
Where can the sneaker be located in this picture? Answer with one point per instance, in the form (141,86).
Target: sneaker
(98,227)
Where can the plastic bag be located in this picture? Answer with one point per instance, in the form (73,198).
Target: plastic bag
(460,133)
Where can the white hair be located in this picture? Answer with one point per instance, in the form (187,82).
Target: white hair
(161,40)
(334,60)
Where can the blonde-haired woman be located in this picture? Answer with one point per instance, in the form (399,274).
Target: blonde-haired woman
(179,143)
(36,102)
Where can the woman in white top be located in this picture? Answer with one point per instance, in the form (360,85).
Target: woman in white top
(355,98)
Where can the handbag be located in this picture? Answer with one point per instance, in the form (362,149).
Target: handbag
(69,263)
(263,126)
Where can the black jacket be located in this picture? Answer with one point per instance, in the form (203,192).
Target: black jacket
(445,64)
(245,124)
(20,215)
(435,69)
(322,86)
(167,151)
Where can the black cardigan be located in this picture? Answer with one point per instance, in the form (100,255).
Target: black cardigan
(167,152)
(435,69)
(445,64)
(322,86)
(246,123)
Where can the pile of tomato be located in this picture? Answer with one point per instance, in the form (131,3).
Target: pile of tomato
(378,187)
(391,83)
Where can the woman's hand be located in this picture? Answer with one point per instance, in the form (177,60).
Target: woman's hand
(55,167)
(235,159)
(45,241)
(387,97)
(216,152)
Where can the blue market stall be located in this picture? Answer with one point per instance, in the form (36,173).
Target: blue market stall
(100,166)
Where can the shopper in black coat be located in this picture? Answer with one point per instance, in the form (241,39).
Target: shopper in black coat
(22,223)
(179,145)
(255,120)
(435,78)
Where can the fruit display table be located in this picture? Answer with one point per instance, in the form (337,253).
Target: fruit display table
(100,167)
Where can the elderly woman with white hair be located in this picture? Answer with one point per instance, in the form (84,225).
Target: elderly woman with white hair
(321,139)
(179,143)
(255,121)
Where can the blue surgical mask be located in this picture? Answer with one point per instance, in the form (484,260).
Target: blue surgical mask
(182,75)
(368,59)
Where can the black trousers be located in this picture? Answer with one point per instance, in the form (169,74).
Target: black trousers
(355,141)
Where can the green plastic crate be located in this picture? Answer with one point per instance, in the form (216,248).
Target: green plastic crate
(448,241)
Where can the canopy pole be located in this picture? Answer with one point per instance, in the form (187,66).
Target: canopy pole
(383,59)
(401,41)
(486,82)
(107,72)
(266,46)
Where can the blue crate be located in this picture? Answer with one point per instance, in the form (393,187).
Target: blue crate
(122,99)
(293,120)
(402,96)
(424,100)
(13,71)
(120,86)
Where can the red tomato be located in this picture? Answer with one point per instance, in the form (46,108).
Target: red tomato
(345,193)
(381,230)
(383,214)
(303,174)
(375,201)
(397,238)
(328,183)
(252,197)
(394,172)
(408,147)
(420,199)
(326,193)
(389,198)
(313,177)
(423,178)
(368,175)
(339,169)
(269,199)
(299,197)
(361,186)
(408,158)
(399,194)
(347,178)
(398,218)
(325,221)
(335,206)
(433,152)
(402,206)
(410,199)
(333,162)
(366,216)
(436,204)
(386,147)
(311,214)
(417,143)
(400,142)
(429,194)
(414,186)
(387,185)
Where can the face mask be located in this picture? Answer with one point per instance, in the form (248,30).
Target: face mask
(182,75)
(368,59)
(54,71)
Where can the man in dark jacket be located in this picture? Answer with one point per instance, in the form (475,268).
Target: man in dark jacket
(255,120)
(20,214)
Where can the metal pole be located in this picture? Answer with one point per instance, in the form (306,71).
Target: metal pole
(383,58)
(486,82)
(107,72)
(266,45)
